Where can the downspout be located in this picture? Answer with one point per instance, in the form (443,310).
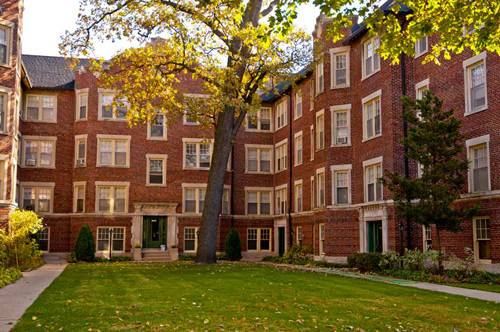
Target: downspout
(290,165)
(405,135)
(232,187)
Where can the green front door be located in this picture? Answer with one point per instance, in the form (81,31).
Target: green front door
(281,241)
(374,236)
(155,232)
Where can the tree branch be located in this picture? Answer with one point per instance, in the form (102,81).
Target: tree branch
(269,9)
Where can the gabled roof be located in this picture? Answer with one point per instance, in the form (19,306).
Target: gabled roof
(281,88)
(49,72)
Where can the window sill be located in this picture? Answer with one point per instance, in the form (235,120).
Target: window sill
(37,167)
(476,111)
(81,120)
(155,185)
(318,94)
(113,166)
(195,168)
(157,139)
(320,149)
(190,124)
(282,170)
(6,65)
(264,173)
(112,120)
(112,213)
(371,138)
(280,128)
(337,87)
(191,214)
(368,76)
(3,132)
(296,118)
(258,131)
(340,145)
(295,165)
(81,166)
(38,121)
(420,54)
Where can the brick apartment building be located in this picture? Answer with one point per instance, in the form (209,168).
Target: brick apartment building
(304,171)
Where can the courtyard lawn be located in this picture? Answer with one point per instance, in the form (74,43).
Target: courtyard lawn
(185,296)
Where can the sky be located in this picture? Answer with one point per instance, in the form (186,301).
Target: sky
(45,21)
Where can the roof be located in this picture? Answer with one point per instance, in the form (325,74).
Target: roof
(284,86)
(49,72)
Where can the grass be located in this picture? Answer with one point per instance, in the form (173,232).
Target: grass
(495,288)
(184,296)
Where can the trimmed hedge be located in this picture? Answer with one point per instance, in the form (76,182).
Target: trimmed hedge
(233,246)
(365,262)
(85,245)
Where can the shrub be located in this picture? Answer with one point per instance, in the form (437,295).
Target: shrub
(365,262)
(186,257)
(299,254)
(273,259)
(9,275)
(121,259)
(85,245)
(390,260)
(233,246)
(72,257)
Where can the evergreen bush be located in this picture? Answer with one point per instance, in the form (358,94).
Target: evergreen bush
(365,262)
(85,245)
(233,246)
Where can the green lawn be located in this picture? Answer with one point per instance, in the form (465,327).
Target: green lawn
(495,288)
(184,296)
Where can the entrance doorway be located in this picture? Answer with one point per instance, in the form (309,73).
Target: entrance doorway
(155,232)
(375,236)
(281,241)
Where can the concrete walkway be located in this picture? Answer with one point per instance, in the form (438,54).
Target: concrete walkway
(17,297)
(471,293)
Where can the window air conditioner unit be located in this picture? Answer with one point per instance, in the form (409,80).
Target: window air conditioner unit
(341,140)
(80,162)
(30,162)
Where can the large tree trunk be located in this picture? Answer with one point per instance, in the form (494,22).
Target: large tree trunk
(207,239)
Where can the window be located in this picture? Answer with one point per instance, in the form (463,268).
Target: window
(312,193)
(322,239)
(479,164)
(300,235)
(194,198)
(421,47)
(81,106)
(320,78)
(3,110)
(44,239)
(39,151)
(341,123)
(482,240)
(341,175)
(4,168)
(37,197)
(157,128)
(112,197)
(320,130)
(298,148)
(191,239)
(258,201)
(298,104)
(281,115)
(259,239)
(189,117)
(197,153)
(113,151)
(298,196)
(373,174)
(41,108)
(261,121)
(427,237)
(320,178)
(114,236)
(475,84)
(226,203)
(4,45)
(311,95)
(371,60)
(311,136)
(157,170)
(339,67)
(258,158)
(79,197)
(281,199)
(420,89)
(80,150)
(108,111)
(281,155)
(372,118)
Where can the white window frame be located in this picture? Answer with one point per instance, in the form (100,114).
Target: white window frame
(311,95)
(259,237)
(313,192)
(320,124)
(312,142)
(107,250)
(340,109)
(162,157)
(36,186)
(7,94)
(76,185)
(319,172)
(298,184)
(418,51)
(9,32)
(320,77)
(334,52)
(40,106)
(259,119)
(425,238)
(196,230)
(154,138)
(113,93)
(322,239)
(259,148)
(281,192)
(420,87)
(298,105)
(78,94)
(364,54)
(198,142)
(281,109)
(278,148)
(39,140)
(296,137)
(371,99)
(468,65)
(48,239)
(185,113)
(197,187)
(78,139)
(373,163)
(471,144)
(259,191)
(341,169)
(113,139)
(113,186)
(4,171)
(476,244)
(228,190)
(299,235)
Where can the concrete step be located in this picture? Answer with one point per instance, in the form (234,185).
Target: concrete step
(157,259)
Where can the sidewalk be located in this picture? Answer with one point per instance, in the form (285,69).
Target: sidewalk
(471,293)
(17,297)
